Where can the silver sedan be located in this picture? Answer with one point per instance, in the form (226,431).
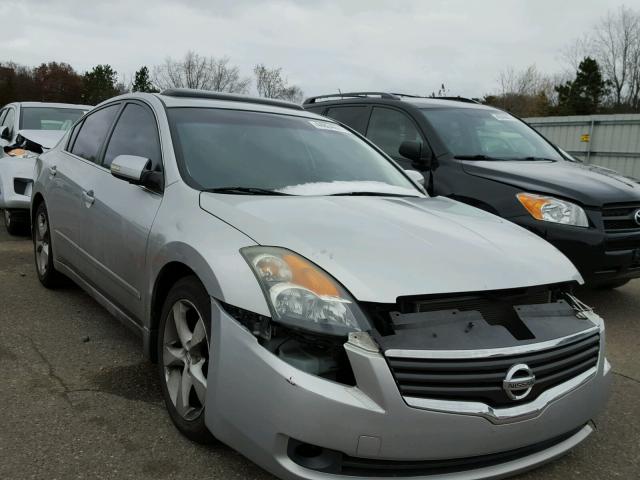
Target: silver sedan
(306,301)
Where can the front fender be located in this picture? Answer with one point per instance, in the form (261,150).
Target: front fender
(184,233)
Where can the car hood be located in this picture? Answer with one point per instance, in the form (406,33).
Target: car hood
(45,138)
(589,185)
(381,248)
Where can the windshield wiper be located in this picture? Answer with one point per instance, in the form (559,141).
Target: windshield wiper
(475,157)
(244,191)
(372,194)
(537,159)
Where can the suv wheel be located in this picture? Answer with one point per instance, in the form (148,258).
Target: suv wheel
(183,356)
(43,252)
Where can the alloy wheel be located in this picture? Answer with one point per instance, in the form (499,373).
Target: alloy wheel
(42,243)
(186,359)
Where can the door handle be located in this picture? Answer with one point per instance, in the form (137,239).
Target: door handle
(53,170)
(88,198)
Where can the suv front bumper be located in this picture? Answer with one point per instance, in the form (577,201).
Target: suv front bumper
(258,404)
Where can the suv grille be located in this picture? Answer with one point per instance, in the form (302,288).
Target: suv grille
(480,379)
(618,217)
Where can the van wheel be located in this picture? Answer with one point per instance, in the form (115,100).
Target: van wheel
(42,249)
(183,357)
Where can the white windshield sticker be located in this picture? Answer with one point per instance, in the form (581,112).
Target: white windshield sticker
(327,126)
(505,117)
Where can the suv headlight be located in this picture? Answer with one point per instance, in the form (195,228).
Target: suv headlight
(550,209)
(303,296)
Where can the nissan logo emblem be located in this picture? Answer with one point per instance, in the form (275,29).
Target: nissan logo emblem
(636,216)
(519,382)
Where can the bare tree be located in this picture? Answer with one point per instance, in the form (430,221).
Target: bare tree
(525,92)
(226,78)
(617,48)
(196,71)
(270,83)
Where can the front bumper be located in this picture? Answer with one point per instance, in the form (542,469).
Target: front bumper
(16,182)
(257,404)
(596,255)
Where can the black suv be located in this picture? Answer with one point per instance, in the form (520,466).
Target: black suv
(490,159)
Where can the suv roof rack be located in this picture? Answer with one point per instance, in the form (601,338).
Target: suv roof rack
(385,95)
(458,99)
(230,97)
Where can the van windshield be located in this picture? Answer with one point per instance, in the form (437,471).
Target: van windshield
(487,134)
(235,151)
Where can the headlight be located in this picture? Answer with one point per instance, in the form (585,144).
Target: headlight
(21,153)
(303,296)
(550,209)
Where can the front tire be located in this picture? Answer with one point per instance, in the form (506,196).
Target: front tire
(42,249)
(183,357)
(15,225)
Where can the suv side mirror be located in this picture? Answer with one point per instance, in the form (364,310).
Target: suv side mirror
(137,171)
(421,159)
(5,134)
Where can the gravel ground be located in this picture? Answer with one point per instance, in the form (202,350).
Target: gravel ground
(79,400)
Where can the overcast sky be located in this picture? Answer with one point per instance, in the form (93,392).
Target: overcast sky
(408,46)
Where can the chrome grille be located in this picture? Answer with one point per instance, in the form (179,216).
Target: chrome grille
(617,217)
(480,379)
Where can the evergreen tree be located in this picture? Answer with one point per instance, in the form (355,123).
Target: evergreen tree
(142,82)
(584,95)
(99,84)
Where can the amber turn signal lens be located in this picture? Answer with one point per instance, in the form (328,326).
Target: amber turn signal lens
(308,276)
(16,152)
(533,204)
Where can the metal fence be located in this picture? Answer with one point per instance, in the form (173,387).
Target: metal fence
(612,141)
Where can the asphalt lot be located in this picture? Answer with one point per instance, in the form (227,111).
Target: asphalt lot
(77,399)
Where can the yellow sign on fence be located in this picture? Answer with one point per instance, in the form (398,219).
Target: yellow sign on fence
(585,137)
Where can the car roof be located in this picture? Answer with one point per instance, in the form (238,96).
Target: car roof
(54,105)
(207,99)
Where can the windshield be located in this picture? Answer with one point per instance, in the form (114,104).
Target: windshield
(48,118)
(488,134)
(234,150)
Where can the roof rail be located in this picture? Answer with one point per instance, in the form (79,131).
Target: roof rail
(458,99)
(230,97)
(388,96)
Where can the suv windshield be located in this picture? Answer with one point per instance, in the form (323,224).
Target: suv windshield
(48,118)
(486,134)
(237,151)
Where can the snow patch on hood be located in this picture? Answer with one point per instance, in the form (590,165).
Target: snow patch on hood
(45,138)
(337,187)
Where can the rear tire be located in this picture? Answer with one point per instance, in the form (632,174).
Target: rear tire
(43,251)
(612,284)
(183,357)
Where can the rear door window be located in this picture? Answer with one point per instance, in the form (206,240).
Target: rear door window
(355,116)
(92,133)
(136,133)
(389,128)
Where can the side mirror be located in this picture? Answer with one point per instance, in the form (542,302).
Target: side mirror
(5,134)
(137,171)
(422,160)
(415,176)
